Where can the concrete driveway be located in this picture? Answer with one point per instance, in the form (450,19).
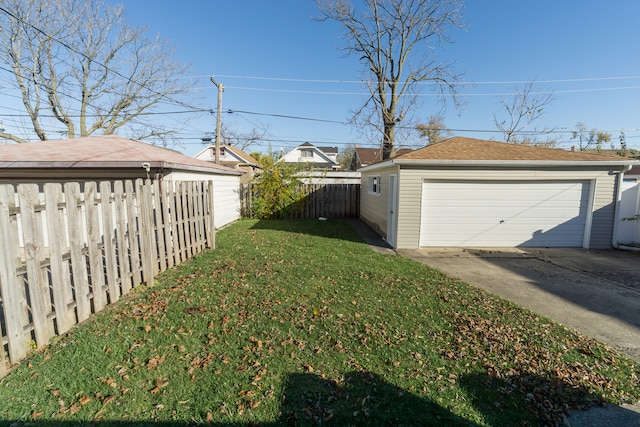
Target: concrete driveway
(594,292)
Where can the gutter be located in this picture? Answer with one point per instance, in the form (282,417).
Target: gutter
(518,163)
(524,164)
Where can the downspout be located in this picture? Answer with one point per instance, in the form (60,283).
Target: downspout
(619,179)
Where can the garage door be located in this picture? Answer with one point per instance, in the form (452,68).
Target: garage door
(496,213)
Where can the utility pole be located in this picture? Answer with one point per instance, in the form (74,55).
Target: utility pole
(218,118)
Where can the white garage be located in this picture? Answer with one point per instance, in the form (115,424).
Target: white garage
(495,213)
(466,192)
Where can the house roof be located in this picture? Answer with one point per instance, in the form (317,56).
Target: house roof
(327,150)
(369,156)
(106,151)
(243,158)
(460,148)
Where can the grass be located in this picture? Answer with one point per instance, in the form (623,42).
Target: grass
(300,323)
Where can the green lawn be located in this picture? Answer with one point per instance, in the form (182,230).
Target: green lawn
(300,323)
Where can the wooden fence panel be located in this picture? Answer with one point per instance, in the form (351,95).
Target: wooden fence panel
(60,278)
(65,255)
(317,200)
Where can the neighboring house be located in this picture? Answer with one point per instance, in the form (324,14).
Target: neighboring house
(313,157)
(232,157)
(471,192)
(367,156)
(110,157)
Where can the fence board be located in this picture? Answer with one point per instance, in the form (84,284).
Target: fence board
(13,298)
(180,222)
(60,279)
(124,266)
(166,216)
(94,247)
(132,232)
(76,250)
(33,235)
(159,228)
(110,257)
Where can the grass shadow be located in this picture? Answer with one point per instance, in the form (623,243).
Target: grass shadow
(361,398)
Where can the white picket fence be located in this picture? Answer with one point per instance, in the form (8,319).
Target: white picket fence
(66,251)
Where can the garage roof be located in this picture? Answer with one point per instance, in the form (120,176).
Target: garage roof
(106,151)
(460,148)
(460,151)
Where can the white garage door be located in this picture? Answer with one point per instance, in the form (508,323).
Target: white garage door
(496,213)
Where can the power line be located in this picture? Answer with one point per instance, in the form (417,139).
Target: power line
(511,82)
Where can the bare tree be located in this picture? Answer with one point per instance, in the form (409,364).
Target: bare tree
(435,130)
(345,156)
(397,42)
(243,141)
(81,70)
(590,138)
(520,112)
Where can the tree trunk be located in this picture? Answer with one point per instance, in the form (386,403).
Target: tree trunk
(388,140)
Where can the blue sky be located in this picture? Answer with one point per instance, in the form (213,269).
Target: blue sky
(275,60)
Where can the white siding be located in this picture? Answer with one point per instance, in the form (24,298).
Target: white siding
(226,194)
(603,212)
(374,209)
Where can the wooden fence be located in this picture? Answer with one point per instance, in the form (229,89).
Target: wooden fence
(317,200)
(66,251)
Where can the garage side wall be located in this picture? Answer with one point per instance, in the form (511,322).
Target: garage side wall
(374,208)
(410,196)
(226,194)
(604,208)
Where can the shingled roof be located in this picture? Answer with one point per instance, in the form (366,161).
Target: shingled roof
(471,149)
(369,156)
(107,151)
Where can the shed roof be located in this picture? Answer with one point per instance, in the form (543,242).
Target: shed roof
(461,148)
(106,151)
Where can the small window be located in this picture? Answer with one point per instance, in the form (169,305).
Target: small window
(306,152)
(213,151)
(374,185)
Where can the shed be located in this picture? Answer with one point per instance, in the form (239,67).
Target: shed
(467,192)
(111,157)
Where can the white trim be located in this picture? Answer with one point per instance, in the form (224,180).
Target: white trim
(392,215)
(588,221)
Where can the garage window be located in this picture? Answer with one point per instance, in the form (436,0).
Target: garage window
(374,185)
